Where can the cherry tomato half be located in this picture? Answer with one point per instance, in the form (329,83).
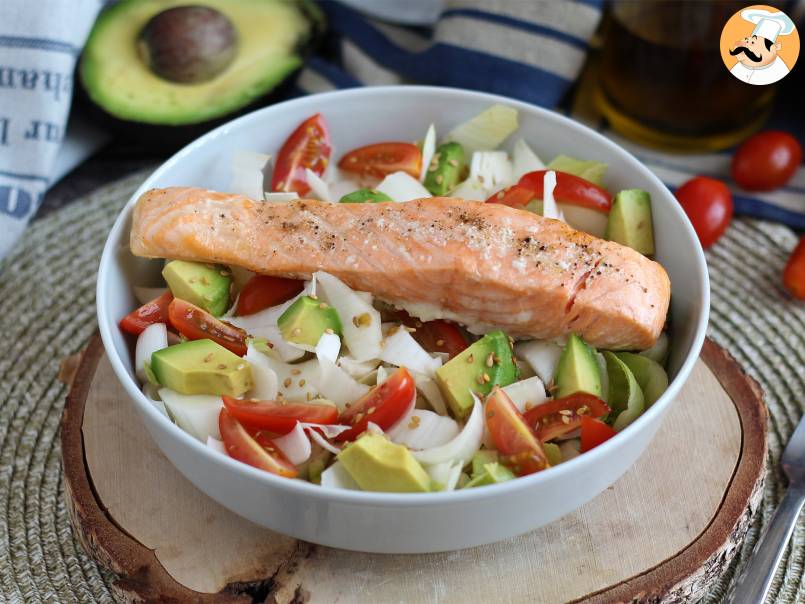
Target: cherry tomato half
(308,147)
(708,204)
(383,405)
(594,432)
(381,159)
(570,189)
(262,291)
(515,196)
(560,416)
(241,446)
(155,311)
(519,447)
(766,160)
(195,323)
(434,336)
(279,417)
(794,274)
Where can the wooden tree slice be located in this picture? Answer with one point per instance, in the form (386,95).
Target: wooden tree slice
(662,533)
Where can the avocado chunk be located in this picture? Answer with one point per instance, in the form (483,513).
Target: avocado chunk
(205,285)
(305,320)
(625,397)
(629,221)
(483,365)
(481,458)
(577,370)
(171,63)
(650,375)
(365,196)
(188,44)
(587,169)
(445,168)
(492,473)
(201,367)
(553,453)
(316,464)
(377,464)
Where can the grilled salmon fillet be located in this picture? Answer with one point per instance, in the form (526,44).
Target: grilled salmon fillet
(486,266)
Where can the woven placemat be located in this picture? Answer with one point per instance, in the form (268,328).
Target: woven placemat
(47,312)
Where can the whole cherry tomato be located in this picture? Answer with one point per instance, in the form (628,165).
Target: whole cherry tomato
(794,274)
(766,160)
(708,204)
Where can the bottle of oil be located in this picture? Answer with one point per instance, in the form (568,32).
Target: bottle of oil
(662,81)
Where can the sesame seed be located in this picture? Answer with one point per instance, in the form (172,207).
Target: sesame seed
(310,397)
(529,405)
(208,358)
(287,382)
(295,371)
(324,306)
(362,320)
(296,331)
(392,330)
(439,343)
(500,195)
(433,167)
(353,159)
(471,359)
(490,360)
(223,273)
(410,329)
(371,410)
(301,382)
(453,162)
(221,366)
(313,297)
(567,412)
(480,379)
(565,419)
(439,179)
(487,379)
(329,330)
(583,410)
(254,400)
(414,423)
(357,418)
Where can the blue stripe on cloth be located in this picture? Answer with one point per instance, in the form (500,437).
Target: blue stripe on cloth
(39,44)
(535,28)
(599,4)
(336,76)
(447,64)
(22,176)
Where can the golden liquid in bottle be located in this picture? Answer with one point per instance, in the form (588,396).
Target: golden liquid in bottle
(662,81)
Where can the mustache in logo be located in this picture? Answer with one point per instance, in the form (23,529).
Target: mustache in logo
(743,49)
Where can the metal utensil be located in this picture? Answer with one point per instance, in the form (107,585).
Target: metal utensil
(754,582)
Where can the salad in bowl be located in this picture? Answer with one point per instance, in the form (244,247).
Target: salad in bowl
(409,316)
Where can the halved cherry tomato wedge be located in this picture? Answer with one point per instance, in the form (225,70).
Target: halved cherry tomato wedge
(434,336)
(383,405)
(241,446)
(307,147)
(262,291)
(570,189)
(515,196)
(794,273)
(560,416)
(279,417)
(155,311)
(195,323)
(594,432)
(381,159)
(517,444)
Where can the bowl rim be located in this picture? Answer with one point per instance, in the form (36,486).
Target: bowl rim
(300,487)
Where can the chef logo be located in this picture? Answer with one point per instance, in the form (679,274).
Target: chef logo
(759,45)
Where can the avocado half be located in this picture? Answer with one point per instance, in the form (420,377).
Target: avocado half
(273,38)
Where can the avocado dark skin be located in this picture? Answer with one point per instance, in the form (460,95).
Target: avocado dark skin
(188,44)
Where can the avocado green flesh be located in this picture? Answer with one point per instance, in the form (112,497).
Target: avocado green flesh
(270,32)
(468,370)
(577,370)
(625,397)
(481,458)
(205,285)
(304,321)
(588,170)
(553,453)
(630,221)
(201,367)
(492,473)
(365,196)
(650,376)
(445,168)
(377,464)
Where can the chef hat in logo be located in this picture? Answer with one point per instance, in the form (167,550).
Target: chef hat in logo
(768,25)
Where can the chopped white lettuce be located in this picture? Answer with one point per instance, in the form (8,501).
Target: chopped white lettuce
(196,414)
(357,369)
(337,477)
(381,376)
(549,207)
(360,321)
(485,131)
(570,449)
(248,174)
(463,446)
(280,196)
(584,219)
(295,445)
(319,188)
(431,391)
(423,429)
(336,384)
(402,350)
(328,347)
(428,149)
(491,169)
(151,392)
(401,186)
(524,160)
(527,393)
(298,381)
(658,352)
(144,295)
(470,190)
(263,375)
(542,355)
(151,339)
(216,445)
(444,475)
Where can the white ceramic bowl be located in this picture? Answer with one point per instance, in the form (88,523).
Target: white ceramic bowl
(405,523)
